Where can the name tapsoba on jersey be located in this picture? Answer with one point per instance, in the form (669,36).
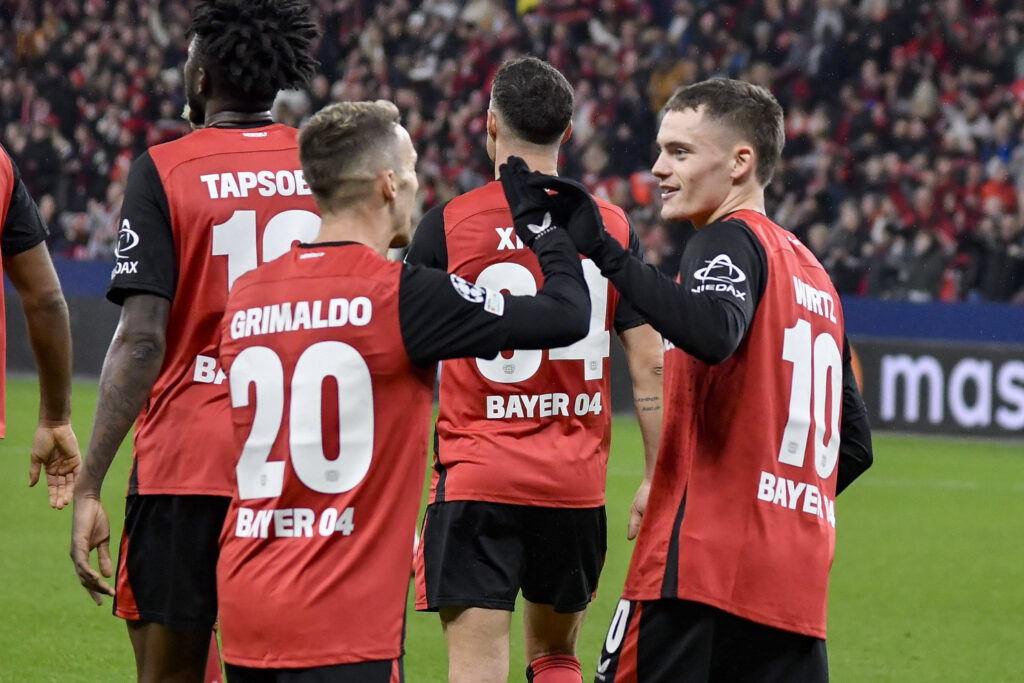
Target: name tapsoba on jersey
(198,213)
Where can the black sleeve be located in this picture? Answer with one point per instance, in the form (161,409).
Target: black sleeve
(722,277)
(625,315)
(145,251)
(428,247)
(443,316)
(855,453)
(24,227)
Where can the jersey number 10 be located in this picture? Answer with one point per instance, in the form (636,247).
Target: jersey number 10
(817,376)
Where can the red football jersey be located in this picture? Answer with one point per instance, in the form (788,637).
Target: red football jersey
(526,427)
(236,197)
(741,513)
(317,546)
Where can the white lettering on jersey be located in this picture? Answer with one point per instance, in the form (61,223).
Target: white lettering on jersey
(527,406)
(284,183)
(814,299)
(508,239)
(207,371)
(301,315)
(293,523)
(786,494)
(720,275)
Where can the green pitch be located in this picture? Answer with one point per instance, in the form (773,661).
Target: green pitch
(928,583)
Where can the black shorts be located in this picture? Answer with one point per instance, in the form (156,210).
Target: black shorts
(478,554)
(167,564)
(678,641)
(387,671)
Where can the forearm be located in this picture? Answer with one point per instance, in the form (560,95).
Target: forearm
(645,356)
(562,304)
(705,327)
(129,371)
(49,332)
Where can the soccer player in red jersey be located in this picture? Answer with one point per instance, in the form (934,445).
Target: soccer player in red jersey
(331,353)
(28,266)
(198,212)
(764,423)
(521,441)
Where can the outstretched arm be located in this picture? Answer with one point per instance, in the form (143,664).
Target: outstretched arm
(645,355)
(54,446)
(133,361)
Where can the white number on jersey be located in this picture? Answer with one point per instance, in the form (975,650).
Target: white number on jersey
(236,238)
(258,365)
(817,376)
(523,364)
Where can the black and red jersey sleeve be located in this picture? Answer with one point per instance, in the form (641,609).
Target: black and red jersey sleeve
(855,451)
(145,252)
(24,227)
(429,247)
(625,315)
(444,316)
(707,313)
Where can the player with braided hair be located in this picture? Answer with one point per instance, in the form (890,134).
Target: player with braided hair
(198,212)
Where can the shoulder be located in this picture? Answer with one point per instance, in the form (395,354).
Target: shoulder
(615,220)
(489,197)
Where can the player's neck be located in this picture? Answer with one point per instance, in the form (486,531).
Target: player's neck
(230,114)
(542,159)
(749,199)
(357,224)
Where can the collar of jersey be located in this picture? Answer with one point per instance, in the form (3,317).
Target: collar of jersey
(343,243)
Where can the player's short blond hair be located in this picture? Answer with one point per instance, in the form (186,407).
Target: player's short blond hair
(344,146)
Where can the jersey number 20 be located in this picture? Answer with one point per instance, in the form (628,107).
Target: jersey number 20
(261,366)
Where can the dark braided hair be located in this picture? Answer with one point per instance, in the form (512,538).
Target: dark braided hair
(253,48)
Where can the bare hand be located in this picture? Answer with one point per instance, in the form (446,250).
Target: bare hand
(90,529)
(636,512)
(55,448)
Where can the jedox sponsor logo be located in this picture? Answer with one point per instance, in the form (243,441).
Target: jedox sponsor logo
(720,275)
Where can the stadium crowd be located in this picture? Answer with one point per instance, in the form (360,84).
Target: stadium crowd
(904,162)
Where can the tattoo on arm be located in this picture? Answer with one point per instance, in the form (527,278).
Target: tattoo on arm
(648,403)
(129,371)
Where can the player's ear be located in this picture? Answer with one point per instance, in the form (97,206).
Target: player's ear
(389,185)
(567,134)
(492,124)
(202,81)
(743,160)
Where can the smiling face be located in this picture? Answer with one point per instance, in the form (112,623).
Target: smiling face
(695,165)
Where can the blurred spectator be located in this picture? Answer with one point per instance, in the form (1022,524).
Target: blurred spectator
(903,117)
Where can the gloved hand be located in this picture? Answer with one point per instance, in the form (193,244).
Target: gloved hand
(533,210)
(578,210)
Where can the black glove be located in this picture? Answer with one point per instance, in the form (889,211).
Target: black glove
(533,210)
(578,209)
